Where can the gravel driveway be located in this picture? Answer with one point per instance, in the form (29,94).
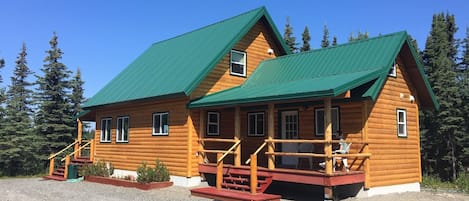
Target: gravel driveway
(33,189)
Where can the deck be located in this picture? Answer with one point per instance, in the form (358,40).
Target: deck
(311,177)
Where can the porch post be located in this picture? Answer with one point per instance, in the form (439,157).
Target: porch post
(270,132)
(80,130)
(365,140)
(189,143)
(201,135)
(237,136)
(328,135)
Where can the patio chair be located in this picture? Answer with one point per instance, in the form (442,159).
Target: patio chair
(305,148)
(344,149)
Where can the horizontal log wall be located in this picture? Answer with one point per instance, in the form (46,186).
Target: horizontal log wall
(395,160)
(255,43)
(142,146)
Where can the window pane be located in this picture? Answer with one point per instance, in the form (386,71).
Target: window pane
(260,124)
(237,68)
(252,124)
(335,122)
(401,116)
(164,123)
(156,123)
(237,57)
(108,130)
(126,129)
(212,129)
(213,118)
(320,121)
(401,129)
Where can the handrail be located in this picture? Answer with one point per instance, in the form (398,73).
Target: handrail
(228,151)
(217,140)
(257,151)
(295,141)
(81,147)
(70,145)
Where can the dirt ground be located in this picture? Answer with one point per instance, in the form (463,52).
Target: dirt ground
(37,189)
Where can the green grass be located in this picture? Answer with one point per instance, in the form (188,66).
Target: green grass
(433,182)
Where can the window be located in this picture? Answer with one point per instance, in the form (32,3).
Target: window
(393,70)
(319,118)
(160,123)
(256,124)
(106,129)
(401,123)
(213,122)
(122,129)
(238,63)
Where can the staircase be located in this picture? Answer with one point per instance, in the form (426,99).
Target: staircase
(236,186)
(59,173)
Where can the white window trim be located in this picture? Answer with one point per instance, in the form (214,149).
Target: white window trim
(160,129)
(393,70)
(404,122)
(121,132)
(104,131)
(321,133)
(244,63)
(213,123)
(255,124)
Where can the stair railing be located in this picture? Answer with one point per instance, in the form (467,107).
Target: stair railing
(77,151)
(53,156)
(253,168)
(220,158)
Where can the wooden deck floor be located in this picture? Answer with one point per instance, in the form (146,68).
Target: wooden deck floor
(312,177)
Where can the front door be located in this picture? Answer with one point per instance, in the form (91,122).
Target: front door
(289,130)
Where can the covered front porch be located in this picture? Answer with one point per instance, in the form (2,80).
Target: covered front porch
(249,146)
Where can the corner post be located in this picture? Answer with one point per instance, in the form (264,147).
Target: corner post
(365,140)
(190,129)
(219,171)
(79,137)
(328,135)
(253,183)
(51,165)
(270,132)
(201,135)
(237,137)
(75,148)
(92,147)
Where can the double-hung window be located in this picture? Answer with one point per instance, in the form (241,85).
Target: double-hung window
(401,123)
(393,70)
(161,123)
(238,63)
(256,124)
(106,124)
(122,129)
(213,123)
(319,121)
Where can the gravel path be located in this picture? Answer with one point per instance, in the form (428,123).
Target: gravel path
(35,189)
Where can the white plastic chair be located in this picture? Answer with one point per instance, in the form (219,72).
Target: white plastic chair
(305,148)
(344,149)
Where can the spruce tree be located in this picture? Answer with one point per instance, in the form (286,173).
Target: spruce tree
(325,37)
(441,128)
(464,87)
(334,41)
(20,145)
(360,36)
(290,40)
(77,96)
(54,115)
(306,38)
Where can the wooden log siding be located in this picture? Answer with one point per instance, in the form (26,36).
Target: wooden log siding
(142,146)
(255,43)
(395,160)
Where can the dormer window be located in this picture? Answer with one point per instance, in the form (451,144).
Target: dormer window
(238,63)
(393,70)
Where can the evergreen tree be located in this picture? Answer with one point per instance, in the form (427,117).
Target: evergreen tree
(464,87)
(20,146)
(441,128)
(325,37)
(306,38)
(360,36)
(77,96)
(334,41)
(290,40)
(2,121)
(54,115)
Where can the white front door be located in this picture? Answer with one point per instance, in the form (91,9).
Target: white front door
(289,130)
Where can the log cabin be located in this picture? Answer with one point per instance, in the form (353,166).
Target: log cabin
(230,102)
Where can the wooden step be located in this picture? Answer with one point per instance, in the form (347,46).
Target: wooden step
(53,177)
(236,179)
(232,195)
(238,186)
(243,172)
(81,160)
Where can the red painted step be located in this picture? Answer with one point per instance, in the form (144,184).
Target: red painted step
(239,187)
(232,195)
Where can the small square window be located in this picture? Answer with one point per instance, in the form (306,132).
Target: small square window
(213,122)
(160,123)
(106,124)
(393,70)
(401,123)
(256,124)
(238,63)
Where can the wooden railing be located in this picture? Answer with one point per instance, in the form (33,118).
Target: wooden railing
(76,153)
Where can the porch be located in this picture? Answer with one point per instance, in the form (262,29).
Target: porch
(238,165)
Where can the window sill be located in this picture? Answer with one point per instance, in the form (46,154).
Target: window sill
(105,142)
(160,134)
(123,142)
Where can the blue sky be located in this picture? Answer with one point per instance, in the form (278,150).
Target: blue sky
(103,37)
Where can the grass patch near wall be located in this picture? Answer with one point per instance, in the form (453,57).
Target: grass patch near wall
(461,184)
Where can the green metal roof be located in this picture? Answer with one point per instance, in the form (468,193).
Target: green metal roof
(177,66)
(319,73)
